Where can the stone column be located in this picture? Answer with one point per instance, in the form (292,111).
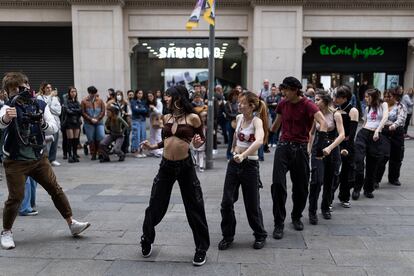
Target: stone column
(98,47)
(409,71)
(277,44)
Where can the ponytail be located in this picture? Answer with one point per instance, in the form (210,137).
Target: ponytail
(262,114)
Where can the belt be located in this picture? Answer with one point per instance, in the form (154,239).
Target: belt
(289,143)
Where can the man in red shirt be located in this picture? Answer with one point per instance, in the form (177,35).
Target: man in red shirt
(296,115)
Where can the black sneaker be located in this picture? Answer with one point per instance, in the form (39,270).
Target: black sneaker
(297,224)
(376,185)
(146,248)
(259,243)
(313,218)
(199,258)
(278,232)
(355,195)
(326,215)
(224,244)
(395,183)
(85,149)
(368,194)
(121,158)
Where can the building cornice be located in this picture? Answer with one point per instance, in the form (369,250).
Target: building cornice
(311,4)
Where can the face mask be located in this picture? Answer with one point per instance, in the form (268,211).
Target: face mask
(118,98)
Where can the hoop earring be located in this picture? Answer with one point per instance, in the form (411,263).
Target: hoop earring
(177,107)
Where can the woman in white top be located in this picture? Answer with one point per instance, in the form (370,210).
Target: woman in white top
(50,96)
(325,171)
(243,170)
(368,143)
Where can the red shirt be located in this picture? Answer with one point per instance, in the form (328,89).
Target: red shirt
(297,119)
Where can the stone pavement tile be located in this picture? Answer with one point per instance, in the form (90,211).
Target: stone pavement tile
(333,270)
(270,269)
(134,207)
(351,230)
(338,209)
(128,268)
(244,253)
(108,237)
(118,199)
(291,239)
(112,221)
(404,210)
(315,230)
(21,266)
(394,230)
(387,271)
(173,253)
(366,258)
(89,189)
(75,267)
(125,252)
(206,270)
(394,243)
(407,195)
(410,255)
(339,242)
(378,210)
(98,206)
(303,257)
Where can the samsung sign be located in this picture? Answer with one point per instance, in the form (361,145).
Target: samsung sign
(188,53)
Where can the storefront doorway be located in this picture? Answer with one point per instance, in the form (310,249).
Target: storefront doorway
(160,63)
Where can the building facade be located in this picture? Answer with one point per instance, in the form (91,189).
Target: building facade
(144,44)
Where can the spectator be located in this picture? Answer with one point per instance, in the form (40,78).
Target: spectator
(139,110)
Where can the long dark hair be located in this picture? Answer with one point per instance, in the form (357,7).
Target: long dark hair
(154,101)
(69,97)
(180,94)
(375,95)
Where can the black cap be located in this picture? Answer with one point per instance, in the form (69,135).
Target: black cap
(290,82)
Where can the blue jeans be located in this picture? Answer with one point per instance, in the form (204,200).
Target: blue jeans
(29,200)
(94,132)
(139,134)
(52,147)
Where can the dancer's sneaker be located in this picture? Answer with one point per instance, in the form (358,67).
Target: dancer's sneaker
(7,241)
(146,247)
(346,204)
(77,227)
(199,258)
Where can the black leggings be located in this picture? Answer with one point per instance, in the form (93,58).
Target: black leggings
(183,171)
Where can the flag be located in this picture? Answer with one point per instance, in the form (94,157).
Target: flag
(195,15)
(210,12)
(205,8)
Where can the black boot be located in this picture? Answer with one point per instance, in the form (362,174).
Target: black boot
(69,148)
(75,149)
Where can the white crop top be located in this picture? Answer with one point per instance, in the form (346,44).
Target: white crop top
(373,117)
(245,136)
(330,121)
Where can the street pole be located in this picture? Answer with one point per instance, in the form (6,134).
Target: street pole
(210,117)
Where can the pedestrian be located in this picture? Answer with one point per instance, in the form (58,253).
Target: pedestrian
(243,170)
(350,118)
(393,138)
(72,122)
(325,171)
(369,147)
(181,127)
(115,127)
(139,110)
(408,101)
(93,112)
(199,153)
(24,153)
(295,114)
(231,111)
(28,205)
(125,113)
(272,101)
(155,114)
(50,97)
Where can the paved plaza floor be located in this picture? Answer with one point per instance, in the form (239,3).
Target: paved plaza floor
(373,237)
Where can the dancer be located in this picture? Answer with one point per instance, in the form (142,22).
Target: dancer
(325,171)
(350,117)
(393,134)
(26,120)
(296,115)
(243,170)
(182,126)
(368,143)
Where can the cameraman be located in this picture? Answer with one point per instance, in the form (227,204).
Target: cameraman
(25,121)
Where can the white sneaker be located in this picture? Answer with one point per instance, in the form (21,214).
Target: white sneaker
(7,241)
(142,155)
(215,151)
(55,163)
(346,204)
(78,227)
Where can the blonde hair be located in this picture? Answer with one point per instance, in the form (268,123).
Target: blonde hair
(12,80)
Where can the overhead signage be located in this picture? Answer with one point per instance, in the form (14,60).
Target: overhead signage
(354,52)
(187,52)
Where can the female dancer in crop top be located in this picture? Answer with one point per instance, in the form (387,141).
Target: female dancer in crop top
(181,127)
(243,170)
(325,171)
(393,134)
(368,143)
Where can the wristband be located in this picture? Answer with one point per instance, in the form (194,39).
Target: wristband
(160,144)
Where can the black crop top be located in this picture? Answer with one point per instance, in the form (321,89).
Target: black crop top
(184,132)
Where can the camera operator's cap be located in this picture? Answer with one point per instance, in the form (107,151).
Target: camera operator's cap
(290,82)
